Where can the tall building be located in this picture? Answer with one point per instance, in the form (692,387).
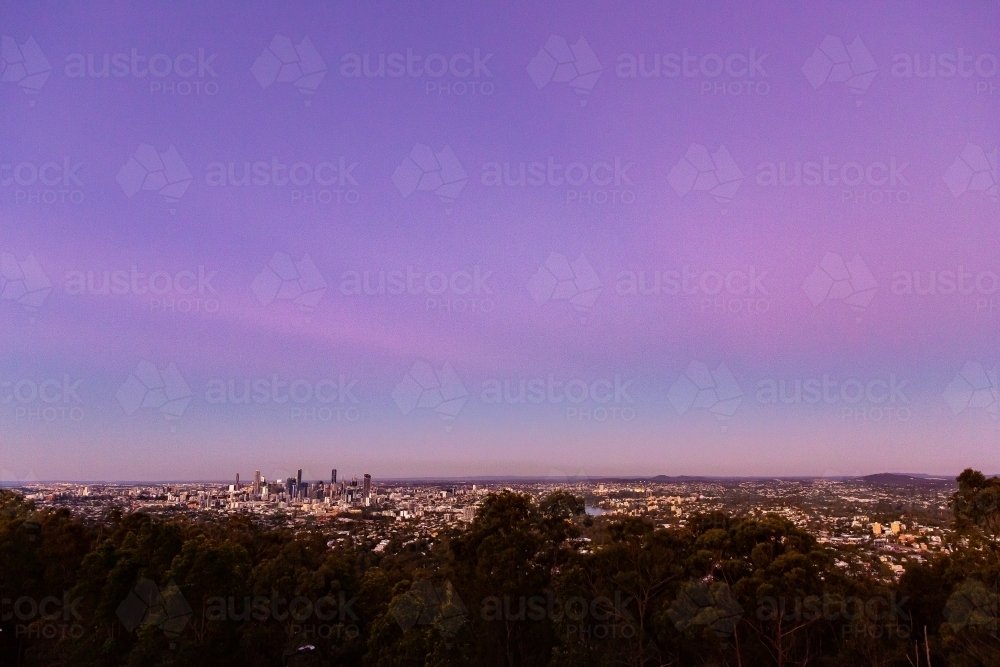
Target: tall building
(256,482)
(290,487)
(237,481)
(367,489)
(333,476)
(298,478)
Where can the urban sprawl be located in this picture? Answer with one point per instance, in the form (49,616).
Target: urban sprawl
(875,523)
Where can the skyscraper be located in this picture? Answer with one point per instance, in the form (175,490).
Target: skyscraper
(367,489)
(333,476)
(256,482)
(237,481)
(298,478)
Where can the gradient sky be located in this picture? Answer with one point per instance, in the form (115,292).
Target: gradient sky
(931,210)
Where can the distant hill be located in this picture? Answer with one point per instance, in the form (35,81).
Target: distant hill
(896,478)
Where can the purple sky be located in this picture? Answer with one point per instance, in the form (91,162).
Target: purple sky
(747,242)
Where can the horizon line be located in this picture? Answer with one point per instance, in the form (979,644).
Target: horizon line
(510,478)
